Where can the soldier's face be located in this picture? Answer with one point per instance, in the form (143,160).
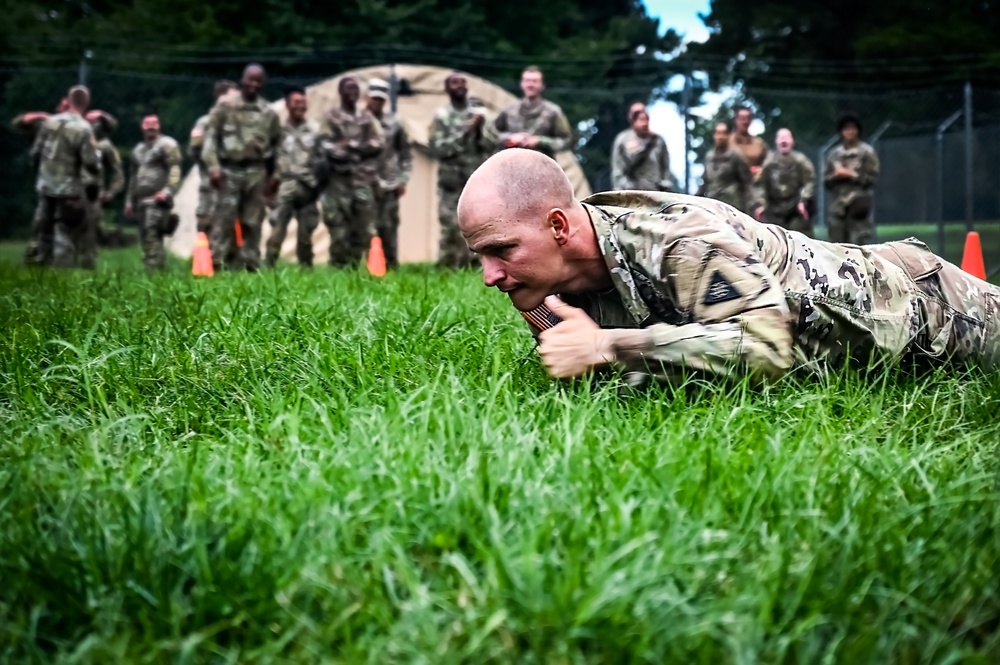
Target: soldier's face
(457,88)
(531,84)
(376,105)
(721,136)
(784,141)
(849,133)
(641,123)
(297,106)
(519,257)
(252,83)
(150,127)
(743,122)
(350,92)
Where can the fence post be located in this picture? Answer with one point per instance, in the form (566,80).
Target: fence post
(968,156)
(84,66)
(821,185)
(686,115)
(393,88)
(939,138)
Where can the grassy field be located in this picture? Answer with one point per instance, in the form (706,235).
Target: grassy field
(323,467)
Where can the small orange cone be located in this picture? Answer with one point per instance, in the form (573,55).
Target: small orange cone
(239,234)
(376,258)
(202,260)
(972,259)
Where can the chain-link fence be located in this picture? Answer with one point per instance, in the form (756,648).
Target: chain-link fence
(940,163)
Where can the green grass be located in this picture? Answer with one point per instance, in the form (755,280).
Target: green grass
(324,467)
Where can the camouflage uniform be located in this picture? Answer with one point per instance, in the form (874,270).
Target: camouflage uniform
(28,125)
(207,195)
(297,193)
(395,167)
(785,182)
(240,142)
(459,153)
(111,180)
(727,178)
(850,217)
(66,153)
(722,293)
(541,118)
(156,168)
(640,163)
(350,145)
(753,150)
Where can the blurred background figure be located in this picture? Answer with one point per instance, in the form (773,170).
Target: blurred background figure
(639,158)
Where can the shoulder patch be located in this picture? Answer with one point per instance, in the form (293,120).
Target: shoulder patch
(720,290)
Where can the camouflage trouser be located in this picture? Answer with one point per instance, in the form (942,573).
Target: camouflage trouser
(151,219)
(957,315)
(793,221)
(240,198)
(61,228)
(206,205)
(452,250)
(387,205)
(349,215)
(844,228)
(32,255)
(75,242)
(293,198)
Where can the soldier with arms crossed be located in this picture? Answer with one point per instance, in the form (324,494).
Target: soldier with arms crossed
(651,282)
(639,158)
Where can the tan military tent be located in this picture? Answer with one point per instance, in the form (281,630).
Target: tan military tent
(418,208)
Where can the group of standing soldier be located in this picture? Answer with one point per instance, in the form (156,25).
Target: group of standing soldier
(778,186)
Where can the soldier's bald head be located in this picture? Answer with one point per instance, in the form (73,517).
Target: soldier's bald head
(514,186)
(253,69)
(78,98)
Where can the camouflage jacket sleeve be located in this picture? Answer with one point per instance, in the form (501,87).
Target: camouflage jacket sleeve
(747,183)
(501,130)
(374,140)
(213,134)
(666,177)
(404,154)
(196,142)
(113,163)
(90,159)
(809,179)
(39,145)
(868,170)
(172,162)
(734,319)
(563,135)
(444,141)
(618,164)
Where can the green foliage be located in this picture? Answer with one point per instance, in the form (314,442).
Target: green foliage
(324,467)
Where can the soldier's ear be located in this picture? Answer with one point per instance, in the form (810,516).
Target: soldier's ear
(558,222)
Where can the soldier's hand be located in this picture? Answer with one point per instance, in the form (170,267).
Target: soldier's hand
(128,212)
(574,346)
(529,141)
(758,213)
(215,179)
(803,211)
(401,190)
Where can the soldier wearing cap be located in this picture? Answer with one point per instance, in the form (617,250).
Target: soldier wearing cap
(395,167)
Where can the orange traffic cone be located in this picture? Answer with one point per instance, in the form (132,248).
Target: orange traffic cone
(239,234)
(202,259)
(972,259)
(376,258)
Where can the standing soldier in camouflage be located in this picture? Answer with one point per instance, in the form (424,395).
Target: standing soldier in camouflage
(396,164)
(65,156)
(533,122)
(850,175)
(111,179)
(241,140)
(298,192)
(459,139)
(727,177)
(753,149)
(653,283)
(350,145)
(154,178)
(639,158)
(196,143)
(787,187)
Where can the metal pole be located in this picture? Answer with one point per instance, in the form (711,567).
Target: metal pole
(84,62)
(821,185)
(685,113)
(874,142)
(393,88)
(942,128)
(968,156)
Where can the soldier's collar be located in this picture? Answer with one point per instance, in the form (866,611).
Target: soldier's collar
(604,223)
